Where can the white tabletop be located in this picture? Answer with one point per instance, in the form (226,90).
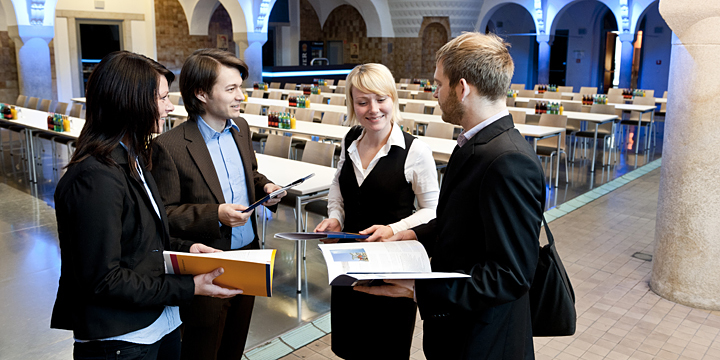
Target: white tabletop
(284,171)
(37,121)
(80,99)
(574,115)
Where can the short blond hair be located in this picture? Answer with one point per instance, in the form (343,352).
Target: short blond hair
(371,78)
(483,60)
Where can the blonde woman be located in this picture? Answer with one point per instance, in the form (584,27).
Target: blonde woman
(381,172)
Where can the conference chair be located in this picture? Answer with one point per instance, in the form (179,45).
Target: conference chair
(403,94)
(276,109)
(22,99)
(562,89)
(517,86)
(552,95)
(547,148)
(605,131)
(275,95)
(290,86)
(76,110)
(61,108)
(518,116)
(274,85)
(341,83)
(45,105)
(586,90)
(340,89)
(645,122)
(278,145)
(257,93)
(332,118)
(424,96)
(526,93)
(337,100)
(414,107)
(437,110)
(33,103)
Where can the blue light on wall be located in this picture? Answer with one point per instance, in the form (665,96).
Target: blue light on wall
(305,73)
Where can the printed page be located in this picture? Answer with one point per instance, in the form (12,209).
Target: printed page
(376,257)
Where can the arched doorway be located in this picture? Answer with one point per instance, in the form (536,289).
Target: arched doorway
(583,45)
(515,24)
(433,38)
(653,65)
(345,35)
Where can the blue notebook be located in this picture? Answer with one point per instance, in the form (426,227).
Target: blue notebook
(319,235)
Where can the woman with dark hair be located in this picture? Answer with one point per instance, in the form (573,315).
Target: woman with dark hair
(113,292)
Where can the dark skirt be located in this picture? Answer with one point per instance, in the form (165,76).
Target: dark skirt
(371,327)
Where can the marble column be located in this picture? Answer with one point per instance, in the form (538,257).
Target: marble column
(543,59)
(249,48)
(626,59)
(686,268)
(33,59)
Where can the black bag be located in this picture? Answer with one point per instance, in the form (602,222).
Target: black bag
(552,300)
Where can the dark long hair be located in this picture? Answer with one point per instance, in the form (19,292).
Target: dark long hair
(122,96)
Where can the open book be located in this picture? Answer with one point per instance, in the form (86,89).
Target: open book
(361,263)
(248,270)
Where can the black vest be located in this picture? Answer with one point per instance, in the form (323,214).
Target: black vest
(385,196)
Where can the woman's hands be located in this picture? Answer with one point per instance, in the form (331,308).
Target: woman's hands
(329,225)
(378,233)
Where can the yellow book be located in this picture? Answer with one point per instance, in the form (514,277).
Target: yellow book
(248,270)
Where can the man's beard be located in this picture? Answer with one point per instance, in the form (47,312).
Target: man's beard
(452,109)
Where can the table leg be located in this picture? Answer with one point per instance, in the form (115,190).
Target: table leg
(535,144)
(32,174)
(557,171)
(592,167)
(639,126)
(298,248)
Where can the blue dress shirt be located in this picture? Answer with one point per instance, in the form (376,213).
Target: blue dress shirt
(231,173)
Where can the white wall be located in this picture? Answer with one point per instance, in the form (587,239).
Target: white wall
(656,47)
(62,61)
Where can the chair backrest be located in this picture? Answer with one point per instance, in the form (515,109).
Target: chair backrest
(325,89)
(518,116)
(278,145)
(510,101)
(276,108)
(414,107)
(437,110)
(176,99)
(316,99)
(650,93)
(587,90)
(424,96)
(22,99)
(275,95)
(407,123)
(340,89)
(517,86)
(404,81)
(562,89)
(615,99)
(554,121)
(531,103)
(413,87)
(254,109)
(552,95)
(341,83)
(33,103)
(337,100)
(532,119)
(45,105)
(289,86)
(257,93)
(663,106)
(403,94)
(332,118)
(602,109)
(605,109)
(304,114)
(536,87)
(643,100)
(440,130)
(295,93)
(76,110)
(61,108)
(664,95)
(526,93)
(615,91)
(572,106)
(318,153)
(274,85)
(578,97)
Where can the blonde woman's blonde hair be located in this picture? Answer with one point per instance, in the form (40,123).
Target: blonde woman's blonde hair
(371,78)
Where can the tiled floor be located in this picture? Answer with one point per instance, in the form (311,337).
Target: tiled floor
(619,317)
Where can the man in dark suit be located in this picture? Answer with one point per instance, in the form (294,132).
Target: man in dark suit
(488,216)
(207,174)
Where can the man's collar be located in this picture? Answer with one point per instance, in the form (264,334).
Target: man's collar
(208,132)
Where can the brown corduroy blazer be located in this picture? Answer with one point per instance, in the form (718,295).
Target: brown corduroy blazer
(189,186)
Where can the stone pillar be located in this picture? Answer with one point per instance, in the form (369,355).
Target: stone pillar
(626,59)
(249,48)
(543,59)
(33,59)
(686,268)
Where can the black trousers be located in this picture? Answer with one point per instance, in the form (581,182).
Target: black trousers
(167,348)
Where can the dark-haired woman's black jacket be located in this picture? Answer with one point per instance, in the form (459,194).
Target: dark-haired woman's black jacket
(112,278)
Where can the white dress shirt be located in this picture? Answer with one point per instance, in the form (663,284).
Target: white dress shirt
(419,171)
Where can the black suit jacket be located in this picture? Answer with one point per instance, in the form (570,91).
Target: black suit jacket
(488,223)
(112,277)
(189,186)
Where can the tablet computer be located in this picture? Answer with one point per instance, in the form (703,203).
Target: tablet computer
(275,193)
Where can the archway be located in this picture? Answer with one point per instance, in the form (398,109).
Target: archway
(653,66)
(345,35)
(433,38)
(515,24)
(583,48)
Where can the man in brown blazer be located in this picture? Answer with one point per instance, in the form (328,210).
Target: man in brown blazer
(207,174)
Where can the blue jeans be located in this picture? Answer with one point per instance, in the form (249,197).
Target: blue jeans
(167,348)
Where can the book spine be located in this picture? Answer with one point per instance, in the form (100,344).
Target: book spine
(268,284)
(174,262)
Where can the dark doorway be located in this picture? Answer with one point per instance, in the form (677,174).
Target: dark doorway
(268,49)
(607,51)
(97,39)
(558,57)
